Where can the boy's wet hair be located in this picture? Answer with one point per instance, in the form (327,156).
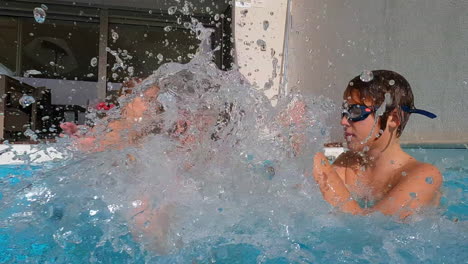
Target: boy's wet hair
(384,81)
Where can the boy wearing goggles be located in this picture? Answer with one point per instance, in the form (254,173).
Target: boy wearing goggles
(376,174)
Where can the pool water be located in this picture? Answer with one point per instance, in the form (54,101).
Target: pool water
(343,239)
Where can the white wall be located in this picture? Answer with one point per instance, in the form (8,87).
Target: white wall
(261,67)
(331,41)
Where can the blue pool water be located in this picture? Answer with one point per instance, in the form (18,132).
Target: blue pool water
(349,239)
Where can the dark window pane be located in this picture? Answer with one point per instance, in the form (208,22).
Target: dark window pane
(60,49)
(143,48)
(8,45)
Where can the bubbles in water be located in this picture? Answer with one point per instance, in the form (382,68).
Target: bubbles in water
(187,25)
(366,76)
(150,11)
(26,100)
(44,7)
(167,28)
(216,17)
(94,61)
(266,24)
(39,15)
(115,35)
(172,10)
(391,82)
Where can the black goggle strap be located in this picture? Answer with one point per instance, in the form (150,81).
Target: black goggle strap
(418,111)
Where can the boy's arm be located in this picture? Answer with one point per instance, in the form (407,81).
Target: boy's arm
(415,191)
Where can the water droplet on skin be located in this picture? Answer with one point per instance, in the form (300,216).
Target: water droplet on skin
(413,194)
(172,10)
(26,100)
(39,15)
(94,62)
(366,76)
(403,174)
(391,82)
(429,180)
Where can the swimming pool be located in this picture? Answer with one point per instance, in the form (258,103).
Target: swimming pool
(58,237)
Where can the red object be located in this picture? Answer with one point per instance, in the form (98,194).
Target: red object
(104,106)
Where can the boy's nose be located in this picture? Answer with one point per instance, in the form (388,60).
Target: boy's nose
(344,120)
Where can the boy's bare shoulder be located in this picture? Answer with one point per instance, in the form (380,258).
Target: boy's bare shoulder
(424,172)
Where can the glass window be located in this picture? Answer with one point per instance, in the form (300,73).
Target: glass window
(60,50)
(143,48)
(8,45)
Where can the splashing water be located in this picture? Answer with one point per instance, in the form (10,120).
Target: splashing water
(26,100)
(220,171)
(93,62)
(366,76)
(172,10)
(39,15)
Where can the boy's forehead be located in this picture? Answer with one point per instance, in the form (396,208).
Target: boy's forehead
(354,97)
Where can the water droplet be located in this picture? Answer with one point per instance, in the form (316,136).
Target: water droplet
(31,34)
(115,35)
(26,100)
(39,15)
(44,7)
(137,203)
(150,11)
(391,82)
(429,180)
(216,17)
(167,28)
(94,62)
(93,212)
(160,57)
(266,24)
(413,194)
(404,173)
(366,76)
(187,25)
(351,83)
(172,10)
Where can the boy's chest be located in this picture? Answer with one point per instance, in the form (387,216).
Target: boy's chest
(369,183)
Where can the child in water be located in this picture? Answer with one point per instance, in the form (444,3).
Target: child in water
(376,174)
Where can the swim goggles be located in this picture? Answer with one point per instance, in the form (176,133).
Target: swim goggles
(357,112)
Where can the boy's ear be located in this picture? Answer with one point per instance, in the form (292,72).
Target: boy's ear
(394,119)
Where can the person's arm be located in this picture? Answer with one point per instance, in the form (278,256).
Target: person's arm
(417,190)
(121,132)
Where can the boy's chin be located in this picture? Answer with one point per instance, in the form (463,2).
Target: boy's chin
(355,146)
